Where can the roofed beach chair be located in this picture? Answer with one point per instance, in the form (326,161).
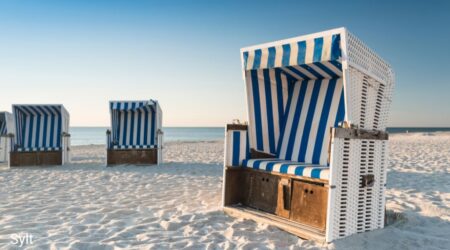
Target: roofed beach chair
(7,132)
(313,158)
(136,133)
(42,135)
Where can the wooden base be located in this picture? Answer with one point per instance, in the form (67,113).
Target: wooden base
(18,159)
(132,156)
(300,230)
(284,200)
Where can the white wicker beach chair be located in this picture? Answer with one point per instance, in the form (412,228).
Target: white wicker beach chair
(313,157)
(136,133)
(42,135)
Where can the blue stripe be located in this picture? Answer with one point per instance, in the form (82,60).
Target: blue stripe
(58,141)
(298,110)
(286,54)
(30,131)
(301,52)
(131,114)
(326,69)
(125,127)
(153,127)
(341,110)
(236,147)
(257,59)
(315,173)
(245,54)
(271,57)
(299,171)
(52,129)
(321,130)
(284,168)
(309,120)
(298,73)
(335,47)
(257,109)
(38,126)
(269,110)
(312,71)
(146,127)
(44,140)
(318,45)
(337,64)
(138,139)
(279,84)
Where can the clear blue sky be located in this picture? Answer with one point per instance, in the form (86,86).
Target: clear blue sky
(186,53)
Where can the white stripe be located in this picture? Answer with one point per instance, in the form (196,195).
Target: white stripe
(34,132)
(55,130)
(128,132)
(305,72)
(274,91)
(325,174)
(251,110)
(264,58)
(290,118)
(309,57)
(285,90)
(142,142)
(326,48)
(250,59)
(320,71)
(41,131)
(149,128)
(49,126)
(135,129)
(316,120)
(262,100)
(290,72)
(294,54)
(333,68)
(307,171)
(27,131)
(301,123)
(278,56)
(121,128)
(243,146)
(331,119)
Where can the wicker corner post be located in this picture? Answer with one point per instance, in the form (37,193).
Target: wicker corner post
(313,158)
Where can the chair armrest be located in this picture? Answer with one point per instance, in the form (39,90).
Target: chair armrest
(236,145)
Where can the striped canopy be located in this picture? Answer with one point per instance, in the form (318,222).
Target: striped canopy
(133,124)
(40,127)
(295,94)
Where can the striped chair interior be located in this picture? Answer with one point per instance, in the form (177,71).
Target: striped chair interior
(39,127)
(3,129)
(295,95)
(133,124)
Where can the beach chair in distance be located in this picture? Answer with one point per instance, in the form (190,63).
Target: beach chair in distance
(7,132)
(313,158)
(42,135)
(135,136)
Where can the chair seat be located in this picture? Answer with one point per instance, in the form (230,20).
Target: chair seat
(288,167)
(133,146)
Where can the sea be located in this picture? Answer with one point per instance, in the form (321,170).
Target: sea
(97,135)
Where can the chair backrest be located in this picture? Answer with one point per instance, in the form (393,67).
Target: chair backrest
(133,123)
(40,127)
(313,108)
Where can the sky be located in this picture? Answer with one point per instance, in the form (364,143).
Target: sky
(185,53)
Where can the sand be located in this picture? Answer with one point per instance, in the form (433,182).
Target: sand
(85,205)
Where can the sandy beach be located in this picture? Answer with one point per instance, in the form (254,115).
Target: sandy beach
(86,205)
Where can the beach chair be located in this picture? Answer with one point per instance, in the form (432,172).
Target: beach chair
(7,132)
(135,136)
(312,159)
(42,135)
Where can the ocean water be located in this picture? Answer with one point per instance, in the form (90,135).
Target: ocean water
(97,135)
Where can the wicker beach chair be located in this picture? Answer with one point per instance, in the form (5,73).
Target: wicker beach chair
(42,135)
(136,133)
(313,158)
(7,132)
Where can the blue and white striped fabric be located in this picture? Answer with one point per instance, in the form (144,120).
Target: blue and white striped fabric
(133,124)
(38,127)
(237,147)
(314,107)
(267,95)
(319,52)
(3,128)
(288,167)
